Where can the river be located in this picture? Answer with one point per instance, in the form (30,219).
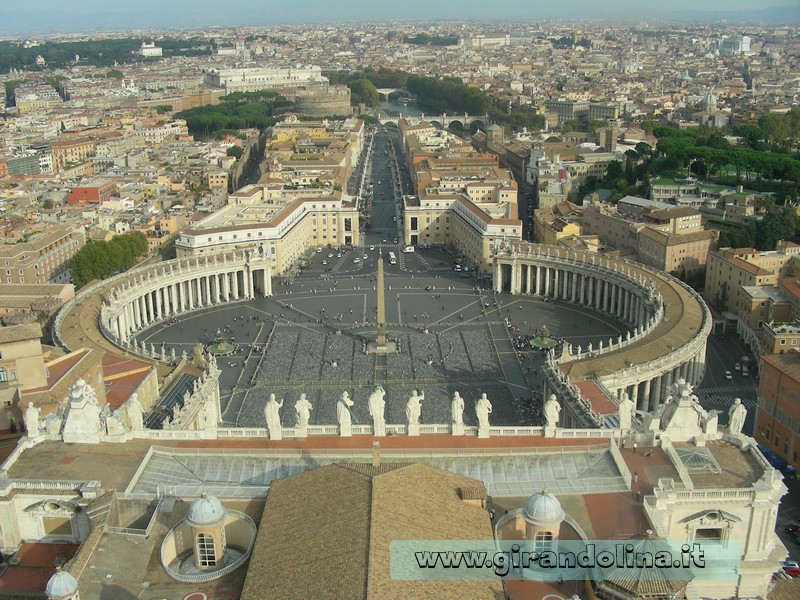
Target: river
(394,108)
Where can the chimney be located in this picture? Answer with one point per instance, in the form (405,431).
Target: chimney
(376,454)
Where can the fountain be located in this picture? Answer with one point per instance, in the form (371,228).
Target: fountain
(220,347)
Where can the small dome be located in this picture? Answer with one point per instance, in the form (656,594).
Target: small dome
(61,585)
(543,509)
(205,510)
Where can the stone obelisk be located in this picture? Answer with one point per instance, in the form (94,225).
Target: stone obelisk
(380,340)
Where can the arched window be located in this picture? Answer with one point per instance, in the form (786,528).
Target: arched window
(543,542)
(3,375)
(204,547)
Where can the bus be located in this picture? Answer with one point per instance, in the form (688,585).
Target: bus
(392,258)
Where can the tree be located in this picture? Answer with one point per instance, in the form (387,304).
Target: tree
(115,74)
(235,151)
(363,90)
(47,204)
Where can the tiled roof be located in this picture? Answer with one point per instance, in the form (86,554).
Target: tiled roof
(350,517)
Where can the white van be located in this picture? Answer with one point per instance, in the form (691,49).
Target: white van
(408,249)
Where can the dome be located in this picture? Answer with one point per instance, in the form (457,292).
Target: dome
(205,510)
(543,509)
(61,585)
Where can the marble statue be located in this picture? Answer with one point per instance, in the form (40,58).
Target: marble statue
(457,409)
(210,413)
(483,408)
(551,411)
(302,409)
(344,415)
(377,406)
(736,416)
(82,424)
(626,409)
(414,407)
(32,420)
(273,418)
(135,413)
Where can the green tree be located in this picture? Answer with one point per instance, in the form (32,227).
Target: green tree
(115,74)
(235,151)
(363,90)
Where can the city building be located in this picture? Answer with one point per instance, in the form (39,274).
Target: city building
(40,256)
(777,424)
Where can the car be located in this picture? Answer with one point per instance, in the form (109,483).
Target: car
(737,367)
(339,255)
(324,262)
(366,256)
(330,255)
(457,268)
(394,219)
(408,249)
(357,259)
(745,372)
(791,568)
(372,247)
(396,240)
(728,375)
(384,241)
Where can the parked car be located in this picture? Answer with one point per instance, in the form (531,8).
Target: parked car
(791,568)
(728,375)
(745,372)
(408,249)
(737,367)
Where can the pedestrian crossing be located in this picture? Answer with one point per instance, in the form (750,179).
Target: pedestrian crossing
(722,397)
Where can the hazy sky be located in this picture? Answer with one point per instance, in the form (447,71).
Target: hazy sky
(90,14)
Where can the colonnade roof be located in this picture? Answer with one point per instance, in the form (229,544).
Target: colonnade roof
(682,322)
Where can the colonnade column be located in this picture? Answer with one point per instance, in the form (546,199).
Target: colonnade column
(655,400)
(556,282)
(498,277)
(645,399)
(207,279)
(191,293)
(583,289)
(546,291)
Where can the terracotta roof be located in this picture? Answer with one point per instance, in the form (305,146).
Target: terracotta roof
(37,563)
(350,518)
(18,333)
(600,402)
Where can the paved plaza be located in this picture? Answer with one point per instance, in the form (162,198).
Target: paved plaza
(311,335)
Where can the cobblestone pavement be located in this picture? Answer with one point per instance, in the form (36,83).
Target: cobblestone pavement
(310,338)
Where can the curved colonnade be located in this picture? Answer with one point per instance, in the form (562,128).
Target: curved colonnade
(669,321)
(165,290)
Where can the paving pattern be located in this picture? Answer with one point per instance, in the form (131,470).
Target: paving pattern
(310,338)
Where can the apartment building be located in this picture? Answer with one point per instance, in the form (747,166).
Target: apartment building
(730,269)
(41,256)
(556,222)
(157,134)
(283,228)
(67,152)
(777,424)
(568,110)
(95,192)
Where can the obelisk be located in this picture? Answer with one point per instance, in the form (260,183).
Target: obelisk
(380,341)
